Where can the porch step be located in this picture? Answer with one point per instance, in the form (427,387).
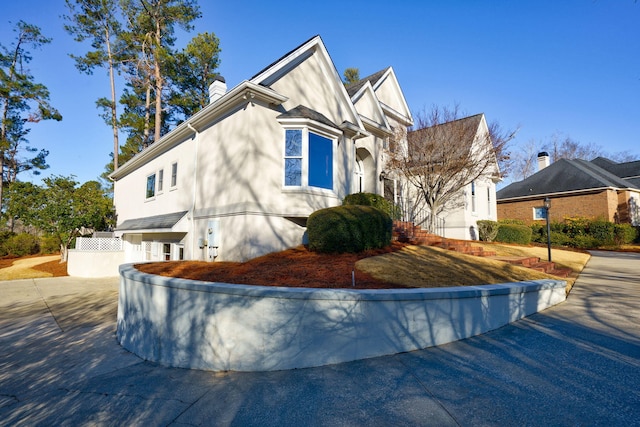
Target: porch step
(408,233)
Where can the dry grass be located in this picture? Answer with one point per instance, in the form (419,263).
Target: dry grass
(32,267)
(429,267)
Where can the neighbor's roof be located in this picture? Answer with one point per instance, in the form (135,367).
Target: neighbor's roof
(564,176)
(157,222)
(623,170)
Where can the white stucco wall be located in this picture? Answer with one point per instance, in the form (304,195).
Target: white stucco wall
(94,263)
(216,326)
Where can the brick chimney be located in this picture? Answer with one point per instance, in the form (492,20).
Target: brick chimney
(543,160)
(217,89)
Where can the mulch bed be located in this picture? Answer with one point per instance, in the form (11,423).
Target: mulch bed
(297,267)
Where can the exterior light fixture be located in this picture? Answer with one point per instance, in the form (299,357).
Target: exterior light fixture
(382,176)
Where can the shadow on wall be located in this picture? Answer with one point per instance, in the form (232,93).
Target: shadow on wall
(221,327)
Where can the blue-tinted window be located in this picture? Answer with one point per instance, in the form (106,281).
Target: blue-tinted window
(151,185)
(539,213)
(320,161)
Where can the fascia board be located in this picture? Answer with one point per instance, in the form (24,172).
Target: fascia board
(406,120)
(375,128)
(243,92)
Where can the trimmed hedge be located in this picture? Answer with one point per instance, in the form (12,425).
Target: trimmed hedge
(487,230)
(585,233)
(351,228)
(513,233)
(371,199)
(20,245)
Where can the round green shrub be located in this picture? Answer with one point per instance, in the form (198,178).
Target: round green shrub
(351,228)
(371,199)
(512,233)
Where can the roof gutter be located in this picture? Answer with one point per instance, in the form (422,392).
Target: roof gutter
(242,93)
(564,193)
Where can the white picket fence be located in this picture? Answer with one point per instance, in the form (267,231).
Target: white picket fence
(93,244)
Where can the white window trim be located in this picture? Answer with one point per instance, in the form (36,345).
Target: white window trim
(307,126)
(535,210)
(160,182)
(172,185)
(146,185)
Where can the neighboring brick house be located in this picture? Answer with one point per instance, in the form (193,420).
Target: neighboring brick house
(599,188)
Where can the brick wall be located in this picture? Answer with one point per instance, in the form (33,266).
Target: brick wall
(598,205)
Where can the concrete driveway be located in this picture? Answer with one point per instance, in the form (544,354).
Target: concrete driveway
(575,364)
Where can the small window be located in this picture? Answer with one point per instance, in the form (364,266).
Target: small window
(160,180)
(473,196)
(174,174)
(166,251)
(539,213)
(489,200)
(151,186)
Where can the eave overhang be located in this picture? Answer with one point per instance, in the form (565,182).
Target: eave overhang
(245,92)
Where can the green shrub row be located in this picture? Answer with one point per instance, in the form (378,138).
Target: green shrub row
(513,233)
(585,233)
(22,244)
(350,228)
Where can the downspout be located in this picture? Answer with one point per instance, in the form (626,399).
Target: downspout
(195,189)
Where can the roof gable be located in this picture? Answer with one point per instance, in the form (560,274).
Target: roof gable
(369,107)
(387,89)
(314,55)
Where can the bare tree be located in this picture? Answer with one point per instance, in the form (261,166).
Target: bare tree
(564,147)
(443,154)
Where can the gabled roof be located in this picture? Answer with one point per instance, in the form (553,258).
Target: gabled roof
(564,176)
(314,46)
(370,110)
(353,88)
(389,93)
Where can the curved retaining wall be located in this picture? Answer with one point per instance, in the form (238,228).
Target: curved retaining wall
(219,327)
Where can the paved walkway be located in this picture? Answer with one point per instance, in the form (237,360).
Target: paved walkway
(574,364)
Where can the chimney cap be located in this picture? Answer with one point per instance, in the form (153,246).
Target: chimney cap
(219,78)
(543,154)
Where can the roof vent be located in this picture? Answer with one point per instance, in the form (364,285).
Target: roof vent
(543,160)
(217,89)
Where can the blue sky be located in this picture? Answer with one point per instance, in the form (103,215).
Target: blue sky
(569,67)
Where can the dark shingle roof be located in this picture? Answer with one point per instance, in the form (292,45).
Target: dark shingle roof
(564,176)
(623,170)
(152,222)
(302,112)
(353,88)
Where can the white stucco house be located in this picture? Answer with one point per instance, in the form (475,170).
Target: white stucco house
(239,178)
(467,137)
